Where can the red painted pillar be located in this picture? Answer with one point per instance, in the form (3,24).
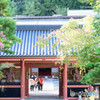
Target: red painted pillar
(23,80)
(65,81)
(60,82)
(26,81)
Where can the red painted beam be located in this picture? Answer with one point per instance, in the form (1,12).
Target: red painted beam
(78,86)
(44,61)
(73,61)
(29,58)
(75,98)
(41,66)
(10,98)
(9,61)
(10,86)
(36,59)
(1,61)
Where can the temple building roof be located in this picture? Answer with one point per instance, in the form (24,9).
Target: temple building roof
(29,28)
(29,35)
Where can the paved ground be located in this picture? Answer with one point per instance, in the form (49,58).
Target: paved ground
(44,95)
(50,91)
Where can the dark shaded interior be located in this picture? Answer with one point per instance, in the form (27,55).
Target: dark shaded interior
(44,71)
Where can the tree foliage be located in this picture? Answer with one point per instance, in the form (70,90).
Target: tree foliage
(91,2)
(31,8)
(72,36)
(4,8)
(13,8)
(93,76)
(61,10)
(8,27)
(81,40)
(94,58)
(20,6)
(44,7)
(1,68)
(47,7)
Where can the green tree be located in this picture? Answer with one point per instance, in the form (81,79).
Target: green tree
(61,10)
(8,27)
(72,4)
(91,2)
(94,57)
(83,41)
(72,36)
(13,8)
(1,73)
(20,6)
(45,7)
(31,8)
(4,8)
(93,76)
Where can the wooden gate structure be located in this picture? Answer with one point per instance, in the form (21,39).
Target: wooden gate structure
(27,56)
(27,62)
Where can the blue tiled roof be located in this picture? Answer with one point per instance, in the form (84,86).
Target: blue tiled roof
(38,27)
(29,35)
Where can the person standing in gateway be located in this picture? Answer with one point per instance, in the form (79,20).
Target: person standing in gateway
(34,76)
(41,84)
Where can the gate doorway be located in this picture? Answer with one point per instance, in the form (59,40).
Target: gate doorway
(50,83)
